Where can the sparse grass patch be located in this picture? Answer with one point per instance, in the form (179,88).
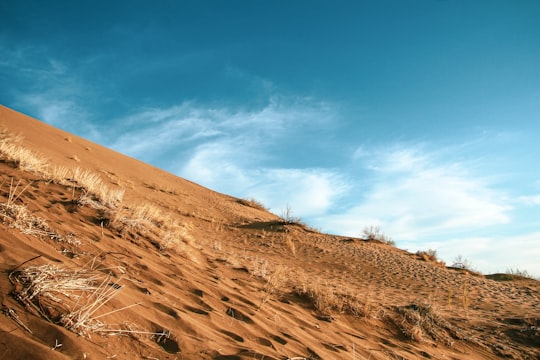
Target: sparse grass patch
(251,202)
(22,158)
(419,322)
(430,256)
(25,159)
(518,273)
(71,298)
(19,217)
(327,299)
(273,283)
(512,275)
(140,217)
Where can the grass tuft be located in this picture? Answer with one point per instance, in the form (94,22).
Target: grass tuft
(421,322)
(71,298)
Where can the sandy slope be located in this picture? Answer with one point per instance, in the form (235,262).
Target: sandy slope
(237,285)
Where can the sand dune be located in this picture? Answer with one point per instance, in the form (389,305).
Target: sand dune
(105,257)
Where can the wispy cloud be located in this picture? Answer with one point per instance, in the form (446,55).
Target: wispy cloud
(46,87)
(529,199)
(417,195)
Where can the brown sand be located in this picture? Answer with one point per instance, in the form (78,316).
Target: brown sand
(240,283)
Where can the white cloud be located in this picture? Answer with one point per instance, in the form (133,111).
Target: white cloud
(149,132)
(415,195)
(309,192)
(49,91)
(529,199)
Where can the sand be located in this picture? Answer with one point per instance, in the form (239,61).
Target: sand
(189,273)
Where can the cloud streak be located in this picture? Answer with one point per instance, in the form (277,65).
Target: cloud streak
(416,195)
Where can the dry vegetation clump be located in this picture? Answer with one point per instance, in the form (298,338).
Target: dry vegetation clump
(374,233)
(273,282)
(152,223)
(19,217)
(519,274)
(420,321)
(140,217)
(71,298)
(21,157)
(251,202)
(512,275)
(94,192)
(430,256)
(288,219)
(327,300)
(94,189)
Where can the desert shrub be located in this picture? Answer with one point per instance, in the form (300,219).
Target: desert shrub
(251,202)
(420,321)
(19,217)
(94,188)
(374,233)
(327,299)
(430,255)
(462,263)
(288,218)
(272,284)
(63,296)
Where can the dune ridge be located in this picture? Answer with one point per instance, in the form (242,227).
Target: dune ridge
(103,256)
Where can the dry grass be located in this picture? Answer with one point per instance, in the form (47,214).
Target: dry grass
(140,217)
(251,202)
(19,217)
(95,189)
(151,222)
(328,299)
(421,322)
(22,158)
(273,282)
(374,233)
(430,256)
(92,184)
(71,298)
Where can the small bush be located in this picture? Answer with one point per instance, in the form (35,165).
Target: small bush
(420,321)
(430,256)
(374,233)
(462,263)
(326,299)
(251,202)
(19,217)
(288,218)
(71,298)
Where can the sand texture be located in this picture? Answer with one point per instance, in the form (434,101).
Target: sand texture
(105,257)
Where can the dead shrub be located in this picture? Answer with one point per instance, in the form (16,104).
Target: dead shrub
(71,298)
(420,321)
(251,202)
(374,233)
(430,256)
(18,216)
(326,299)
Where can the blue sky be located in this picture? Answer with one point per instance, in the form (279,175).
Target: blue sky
(420,116)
